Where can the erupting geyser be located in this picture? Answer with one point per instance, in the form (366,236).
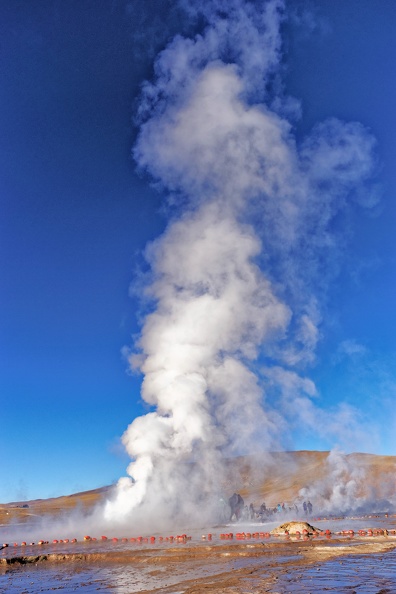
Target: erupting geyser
(233,316)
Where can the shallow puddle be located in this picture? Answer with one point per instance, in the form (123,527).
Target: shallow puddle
(363,574)
(276,565)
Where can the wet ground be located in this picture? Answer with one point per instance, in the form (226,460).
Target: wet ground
(368,574)
(342,563)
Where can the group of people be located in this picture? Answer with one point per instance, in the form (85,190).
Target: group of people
(240,511)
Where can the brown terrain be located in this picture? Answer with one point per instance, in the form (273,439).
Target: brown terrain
(270,478)
(282,476)
(281,563)
(20,511)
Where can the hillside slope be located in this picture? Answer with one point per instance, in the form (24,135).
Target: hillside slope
(273,478)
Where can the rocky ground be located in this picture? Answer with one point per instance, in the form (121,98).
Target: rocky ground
(294,559)
(232,568)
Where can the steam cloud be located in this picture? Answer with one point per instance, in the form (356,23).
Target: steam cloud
(234,315)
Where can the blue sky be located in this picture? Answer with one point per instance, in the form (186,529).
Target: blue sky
(77,217)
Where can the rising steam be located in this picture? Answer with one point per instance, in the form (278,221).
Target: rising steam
(234,315)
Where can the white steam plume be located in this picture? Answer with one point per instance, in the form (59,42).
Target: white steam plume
(345,487)
(341,489)
(232,276)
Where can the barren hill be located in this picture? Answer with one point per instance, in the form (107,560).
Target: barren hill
(273,478)
(287,476)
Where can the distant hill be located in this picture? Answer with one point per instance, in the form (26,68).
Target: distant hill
(20,511)
(287,476)
(273,478)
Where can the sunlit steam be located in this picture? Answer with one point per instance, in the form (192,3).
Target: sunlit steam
(232,276)
(344,486)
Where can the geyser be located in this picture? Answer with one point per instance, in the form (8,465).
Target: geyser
(234,315)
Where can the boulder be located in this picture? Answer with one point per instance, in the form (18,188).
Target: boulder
(295,528)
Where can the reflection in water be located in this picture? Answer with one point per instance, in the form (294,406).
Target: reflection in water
(127,567)
(366,574)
